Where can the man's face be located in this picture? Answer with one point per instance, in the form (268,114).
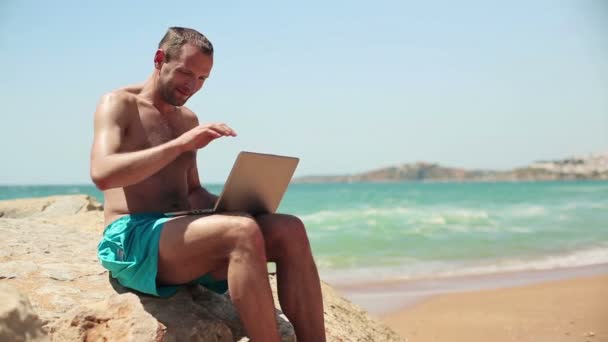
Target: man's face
(184,75)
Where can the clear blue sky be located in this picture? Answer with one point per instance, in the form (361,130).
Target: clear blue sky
(346,86)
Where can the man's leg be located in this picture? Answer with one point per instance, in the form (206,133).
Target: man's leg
(297,278)
(191,246)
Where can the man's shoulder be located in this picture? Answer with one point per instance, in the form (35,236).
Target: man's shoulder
(116,105)
(119,97)
(189,116)
(117,102)
(186,112)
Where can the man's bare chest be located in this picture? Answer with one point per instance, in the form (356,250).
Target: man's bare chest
(150,131)
(153,129)
(157,132)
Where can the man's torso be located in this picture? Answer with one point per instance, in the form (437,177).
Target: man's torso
(166,190)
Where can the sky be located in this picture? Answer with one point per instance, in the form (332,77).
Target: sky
(346,86)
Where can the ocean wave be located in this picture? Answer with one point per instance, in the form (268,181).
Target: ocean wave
(428,230)
(354,214)
(416,269)
(517,229)
(432,221)
(576,205)
(459,220)
(456,216)
(594,256)
(528,211)
(418,221)
(583,189)
(415,215)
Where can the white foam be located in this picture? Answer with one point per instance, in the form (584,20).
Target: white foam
(467,214)
(438,220)
(517,229)
(529,211)
(409,216)
(354,214)
(412,269)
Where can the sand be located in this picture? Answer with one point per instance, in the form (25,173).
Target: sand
(564,310)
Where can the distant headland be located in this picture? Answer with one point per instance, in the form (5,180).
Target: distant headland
(593,166)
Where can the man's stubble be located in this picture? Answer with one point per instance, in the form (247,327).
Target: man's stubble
(167,91)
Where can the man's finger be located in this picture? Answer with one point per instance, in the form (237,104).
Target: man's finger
(229,130)
(214,131)
(217,130)
(219,127)
(224,129)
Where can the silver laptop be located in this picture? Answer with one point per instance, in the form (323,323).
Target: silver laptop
(256,185)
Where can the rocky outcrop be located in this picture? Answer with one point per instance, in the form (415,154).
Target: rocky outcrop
(120,317)
(594,166)
(54,206)
(18,322)
(47,253)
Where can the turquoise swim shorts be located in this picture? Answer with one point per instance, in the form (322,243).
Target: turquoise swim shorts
(129,250)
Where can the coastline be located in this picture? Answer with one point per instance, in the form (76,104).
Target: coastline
(385,297)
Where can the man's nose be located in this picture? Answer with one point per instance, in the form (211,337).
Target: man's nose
(190,85)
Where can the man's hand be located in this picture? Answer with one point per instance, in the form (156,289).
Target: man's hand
(200,136)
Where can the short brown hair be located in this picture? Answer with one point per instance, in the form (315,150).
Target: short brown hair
(176,37)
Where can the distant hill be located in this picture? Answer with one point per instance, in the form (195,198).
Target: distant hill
(594,166)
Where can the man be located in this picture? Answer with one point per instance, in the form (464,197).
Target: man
(144,159)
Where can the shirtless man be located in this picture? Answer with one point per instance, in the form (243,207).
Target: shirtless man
(144,160)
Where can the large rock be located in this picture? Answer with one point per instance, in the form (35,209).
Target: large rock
(48,206)
(52,259)
(119,318)
(18,322)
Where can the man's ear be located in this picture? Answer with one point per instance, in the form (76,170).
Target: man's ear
(159,58)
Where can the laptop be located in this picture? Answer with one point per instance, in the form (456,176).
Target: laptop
(256,184)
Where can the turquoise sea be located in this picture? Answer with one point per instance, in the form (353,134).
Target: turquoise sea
(418,230)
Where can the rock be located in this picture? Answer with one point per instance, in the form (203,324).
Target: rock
(52,259)
(15,269)
(48,206)
(345,321)
(119,318)
(197,314)
(18,322)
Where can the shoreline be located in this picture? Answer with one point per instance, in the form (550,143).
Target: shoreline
(381,298)
(570,309)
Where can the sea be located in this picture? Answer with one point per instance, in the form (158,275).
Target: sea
(406,231)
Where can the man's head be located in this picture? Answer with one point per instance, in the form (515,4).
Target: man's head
(183,61)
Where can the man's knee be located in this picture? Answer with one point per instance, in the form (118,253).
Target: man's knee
(288,235)
(246,236)
(298,235)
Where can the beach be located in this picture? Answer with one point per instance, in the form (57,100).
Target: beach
(561,310)
(567,304)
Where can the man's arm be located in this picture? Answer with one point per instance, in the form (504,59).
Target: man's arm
(198,196)
(111,168)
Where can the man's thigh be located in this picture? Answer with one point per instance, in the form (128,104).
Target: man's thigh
(191,246)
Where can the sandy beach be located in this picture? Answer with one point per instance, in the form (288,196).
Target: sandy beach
(557,310)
